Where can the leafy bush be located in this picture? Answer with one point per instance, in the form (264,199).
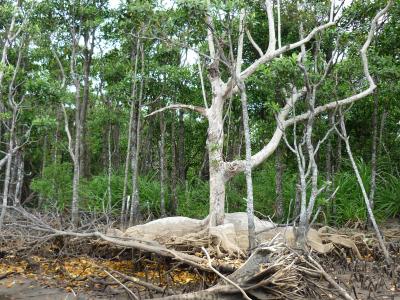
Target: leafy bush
(55,185)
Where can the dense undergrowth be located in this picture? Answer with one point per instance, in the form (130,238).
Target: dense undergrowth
(54,192)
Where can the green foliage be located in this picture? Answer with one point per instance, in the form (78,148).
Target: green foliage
(54,186)
(193,199)
(165,33)
(349,200)
(388,199)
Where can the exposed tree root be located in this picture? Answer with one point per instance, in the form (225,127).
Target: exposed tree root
(274,270)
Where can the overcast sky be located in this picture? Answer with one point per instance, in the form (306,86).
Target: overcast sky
(114,3)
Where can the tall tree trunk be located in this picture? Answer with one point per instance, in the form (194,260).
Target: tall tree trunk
(374,151)
(297,200)
(13,177)
(125,205)
(20,178)
(109,169)
(76,176)
(87,63)
(249,181)
(135,204)
(57,135)
(174,201)
(7,174)
(181,148)
(204,172)
(328,165)
(116,161)
(134,209)
(147,144)
(162,166)
(382,131)
(215,142)
(279,168)
(76,157)
(44,164)
(338,165)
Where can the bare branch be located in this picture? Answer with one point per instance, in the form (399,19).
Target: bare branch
(203,90)
(332,11)
(7,44)
(271,26)
(123,285)
(381,241)
(335,104)
(70,148)
(240,43)
(200,110)
(63,78)
(210,37)
(253,42)
(279,24)
(231,88)
(268,56)
(224,277)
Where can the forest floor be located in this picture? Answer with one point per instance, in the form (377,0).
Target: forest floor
(66,268)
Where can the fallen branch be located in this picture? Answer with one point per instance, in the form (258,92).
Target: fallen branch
(328,278)
(123,285)
(143,283)
(5,275)
(223,277)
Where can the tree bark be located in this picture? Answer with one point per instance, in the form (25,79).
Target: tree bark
(249,181)
(76,162)
(44,164)
(20,178)
(57,136)
(329,167)
(135,204)
(382,131)
(88,37)
(134,210)
(109,169)
(162,166)
(338,165)
(374,151)
(147,159)
(174,199)
(76,152)
(125,205)
(181,148)
(328,154)
(7,174)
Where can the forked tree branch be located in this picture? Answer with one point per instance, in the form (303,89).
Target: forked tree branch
(231,88)
(234,167)
(372,86)
(253,42)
